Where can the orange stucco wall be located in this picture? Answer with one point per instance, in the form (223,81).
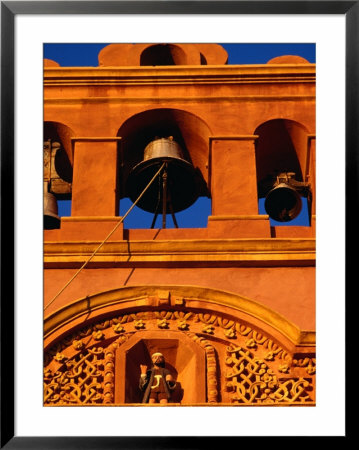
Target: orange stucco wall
(218,112)
(288,291)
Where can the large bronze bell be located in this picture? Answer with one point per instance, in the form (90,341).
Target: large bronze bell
(283,203)
(51,218)
(181,189)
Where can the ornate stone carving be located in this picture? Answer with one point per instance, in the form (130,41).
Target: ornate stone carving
(78,370)
(139,324)
(208,324)
(212,376)
(109,375)
(252,381)
(162,323)
(308,363)
(118,328)
(98,335)
(78,381)
(77,345)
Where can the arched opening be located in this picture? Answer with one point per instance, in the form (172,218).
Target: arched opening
(203,60)
(61,133)
(282,169)
(57,172)
(163,55)
(191,134)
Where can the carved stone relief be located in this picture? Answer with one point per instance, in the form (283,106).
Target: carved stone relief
(252,381)
(253,369)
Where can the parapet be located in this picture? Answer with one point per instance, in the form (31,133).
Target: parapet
(115,55)
(288,59)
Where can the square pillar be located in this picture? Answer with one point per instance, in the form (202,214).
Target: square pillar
(233,178)
(233,184)
(94,187)
(311,170)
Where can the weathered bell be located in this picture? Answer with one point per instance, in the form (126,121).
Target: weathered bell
(51,218)
(182,183)
(283,203)
(163,148)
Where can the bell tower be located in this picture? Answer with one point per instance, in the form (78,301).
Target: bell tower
(231,305)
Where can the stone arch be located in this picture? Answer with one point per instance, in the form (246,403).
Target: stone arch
(188,130)
(184,299)
(92,353)
(59,132)
(58,171)
(163,55)
(282,149)
(281,146)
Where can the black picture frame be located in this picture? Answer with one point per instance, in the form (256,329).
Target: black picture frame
(9,9)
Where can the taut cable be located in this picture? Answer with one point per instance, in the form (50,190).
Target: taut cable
(107,237)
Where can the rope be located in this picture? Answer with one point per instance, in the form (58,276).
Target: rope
(107,237)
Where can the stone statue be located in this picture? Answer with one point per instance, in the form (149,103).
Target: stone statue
(157,382)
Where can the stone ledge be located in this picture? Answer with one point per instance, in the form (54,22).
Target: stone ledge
(171,405)
(281,251)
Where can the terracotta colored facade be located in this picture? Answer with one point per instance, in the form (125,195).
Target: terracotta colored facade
(232,305)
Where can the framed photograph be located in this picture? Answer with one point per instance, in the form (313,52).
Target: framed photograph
(237,363)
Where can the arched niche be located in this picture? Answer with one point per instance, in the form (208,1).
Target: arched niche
(60,132)
(282,145)
(58,159)
(184,358)
(163,55)
(282,154)
(187,129)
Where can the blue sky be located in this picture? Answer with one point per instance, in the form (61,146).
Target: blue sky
(196,216)
(86,54)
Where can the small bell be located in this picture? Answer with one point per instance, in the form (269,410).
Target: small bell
(283,203)
(51,218)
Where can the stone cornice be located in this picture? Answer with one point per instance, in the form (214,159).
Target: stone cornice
(176,75)
(154,100)
(260,252)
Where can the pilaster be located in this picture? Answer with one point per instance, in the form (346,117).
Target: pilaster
(94,190)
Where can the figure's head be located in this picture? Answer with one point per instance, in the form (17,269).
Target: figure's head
(158,359)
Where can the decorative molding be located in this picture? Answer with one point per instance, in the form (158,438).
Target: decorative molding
(242,217)
(70,219)
(298,251)
(80,369)
(181,299)
(212,372)
(178,75)
(96,139)
(109,375)
(235,137)
(170,99)
(199,323)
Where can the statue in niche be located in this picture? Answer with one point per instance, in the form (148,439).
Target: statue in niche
(157,383)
